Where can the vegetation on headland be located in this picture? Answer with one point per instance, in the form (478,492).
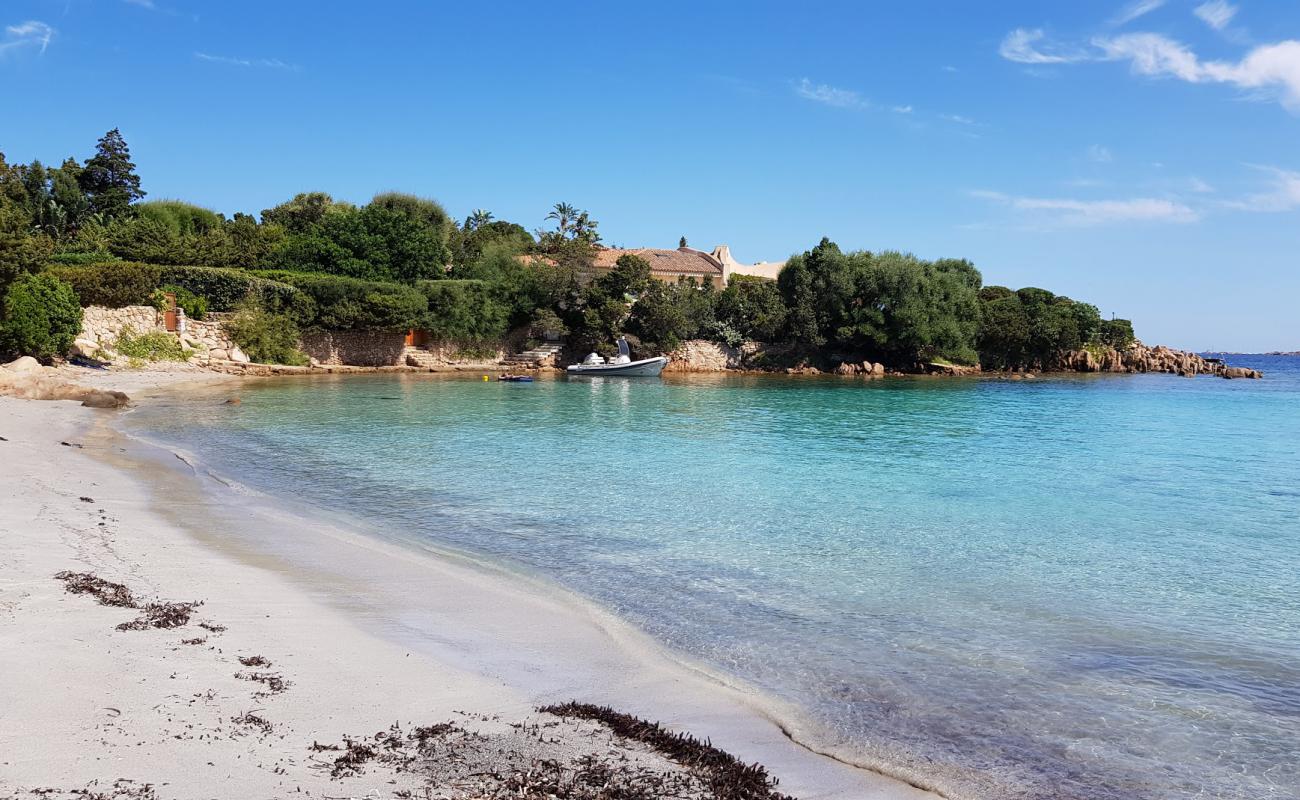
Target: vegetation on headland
(400,261)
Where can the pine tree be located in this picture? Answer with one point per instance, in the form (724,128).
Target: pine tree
(109,179)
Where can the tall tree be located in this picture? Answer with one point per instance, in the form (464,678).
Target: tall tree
(109,179)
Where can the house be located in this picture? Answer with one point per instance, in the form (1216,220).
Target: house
(671,266)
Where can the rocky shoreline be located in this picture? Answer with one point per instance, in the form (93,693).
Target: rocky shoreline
(706,356)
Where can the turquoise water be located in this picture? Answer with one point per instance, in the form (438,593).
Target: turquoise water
(1082,587)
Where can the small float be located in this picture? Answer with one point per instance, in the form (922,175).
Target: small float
(621,366)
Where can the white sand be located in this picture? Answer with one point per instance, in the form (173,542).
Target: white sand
(366,633)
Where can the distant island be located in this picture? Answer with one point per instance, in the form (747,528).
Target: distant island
(398,281)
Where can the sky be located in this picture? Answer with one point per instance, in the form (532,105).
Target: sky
(1143,156)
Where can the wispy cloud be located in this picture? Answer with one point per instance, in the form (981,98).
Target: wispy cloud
(830,95)
(1135,9)
(958,118)
(1031,46)
(1099,154)
(270,63)
(1199,186)
(142,3)
(901,109)
(1087,213)
(1283,196)
(29,34)
(1216,13)
(1271,70)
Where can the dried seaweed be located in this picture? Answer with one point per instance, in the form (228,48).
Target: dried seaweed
(254,661)
(105,592)
(273,682)
(250,720)
(161,615)
(727,777)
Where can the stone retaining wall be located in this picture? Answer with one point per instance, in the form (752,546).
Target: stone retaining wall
(358,348)
(103,325)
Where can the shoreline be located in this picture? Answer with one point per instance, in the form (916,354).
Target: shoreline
(525,649)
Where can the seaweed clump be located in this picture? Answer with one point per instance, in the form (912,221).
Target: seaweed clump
(727,777)
(107,593)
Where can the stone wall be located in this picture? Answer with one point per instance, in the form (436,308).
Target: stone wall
(103,325)
(357,348)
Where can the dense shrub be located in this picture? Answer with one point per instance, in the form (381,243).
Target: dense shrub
(181,218)
(464,311)
(265,337)
(226,289)
(112,285)
(41,317)
(83,258)
(351,304)
(151,346)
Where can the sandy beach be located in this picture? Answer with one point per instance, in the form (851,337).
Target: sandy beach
(199,644)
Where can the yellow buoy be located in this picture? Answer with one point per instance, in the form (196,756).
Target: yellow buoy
(485,377)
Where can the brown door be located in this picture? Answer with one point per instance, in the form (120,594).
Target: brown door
(169,313)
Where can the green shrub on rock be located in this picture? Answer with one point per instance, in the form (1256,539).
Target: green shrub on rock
(41,317)
(266,338)
(151,346)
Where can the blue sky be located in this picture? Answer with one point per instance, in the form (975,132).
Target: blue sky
(1144,156)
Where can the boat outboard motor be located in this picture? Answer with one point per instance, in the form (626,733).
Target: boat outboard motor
(623,349)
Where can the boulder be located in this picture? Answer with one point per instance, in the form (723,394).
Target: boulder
(235,354)
(85,348)
(24,364)
(845,368)
(218,355)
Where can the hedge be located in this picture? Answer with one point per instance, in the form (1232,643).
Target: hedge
(353,304)
(226,288)
(39,317)
(130,283)
(112,285)
(464,310)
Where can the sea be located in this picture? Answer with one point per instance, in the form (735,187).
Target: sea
(1082,586)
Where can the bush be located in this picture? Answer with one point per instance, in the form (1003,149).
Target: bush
(193,305)
(352,304)
(82,259)
(151,346)
(265,337)
(41,317)
(463,311)
(113,285)
(226,288)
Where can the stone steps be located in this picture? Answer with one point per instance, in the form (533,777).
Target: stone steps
(419,357)
(532,358)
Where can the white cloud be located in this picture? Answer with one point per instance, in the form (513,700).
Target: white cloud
(1273,70)
(26,34)
(1086,213)
(142,3)
(902,109)
(1284,196)
(958,118)
(829,95)
(1216,13)
(272,63)
(1135,9)
(1100,154)
(1029,46)
(1199,186)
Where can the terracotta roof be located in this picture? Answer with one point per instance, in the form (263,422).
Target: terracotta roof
(683,261)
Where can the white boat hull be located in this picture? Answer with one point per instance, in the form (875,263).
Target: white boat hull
(645,368)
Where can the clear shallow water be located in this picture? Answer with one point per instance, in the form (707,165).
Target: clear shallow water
(1074,588)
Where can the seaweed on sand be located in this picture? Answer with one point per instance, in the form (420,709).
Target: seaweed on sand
(107,593)
(726,776)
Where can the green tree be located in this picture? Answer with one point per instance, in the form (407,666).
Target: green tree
(41,317)
(303,213)
(20,251)
(109,180)
(752,307)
